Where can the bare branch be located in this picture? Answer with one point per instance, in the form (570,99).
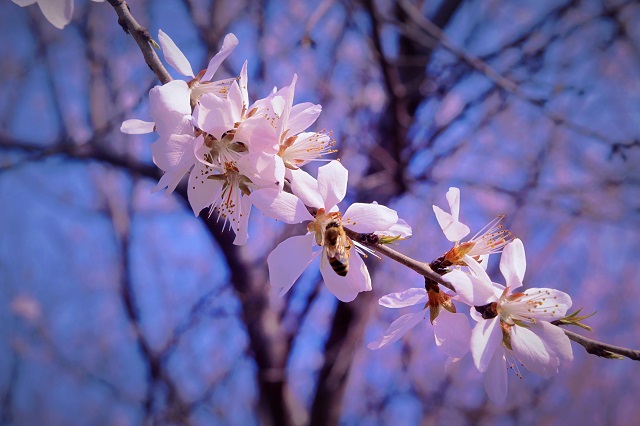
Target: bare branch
(422,268)
(601,349)
(142,37)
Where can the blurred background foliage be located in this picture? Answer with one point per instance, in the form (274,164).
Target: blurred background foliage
(119,307)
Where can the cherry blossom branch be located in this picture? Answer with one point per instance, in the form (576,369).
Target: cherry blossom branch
(601,349)
(142,37)
(422,268)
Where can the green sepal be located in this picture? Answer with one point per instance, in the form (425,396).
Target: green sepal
(388,239)
(574,319)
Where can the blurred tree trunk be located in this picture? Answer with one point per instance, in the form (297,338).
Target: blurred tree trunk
(403,83)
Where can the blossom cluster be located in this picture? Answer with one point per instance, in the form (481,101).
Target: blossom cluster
(240,155)
(512,329)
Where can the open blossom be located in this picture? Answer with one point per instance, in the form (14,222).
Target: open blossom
(58,12)
(201,142)
(451,330)
(170,108)
(490,239)
(294,147)
(200,84)
(291,257)
(516,326)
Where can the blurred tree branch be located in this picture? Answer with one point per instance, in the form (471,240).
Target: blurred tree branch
(176,408)
(509,86)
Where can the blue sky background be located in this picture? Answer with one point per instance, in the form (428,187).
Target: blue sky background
(559,158)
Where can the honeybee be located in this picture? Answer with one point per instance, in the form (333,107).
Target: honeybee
(337,247)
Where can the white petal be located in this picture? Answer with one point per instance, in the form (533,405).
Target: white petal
(280,205)
(230,42)
(409,297)
(168,105)
(486,338)
(214,115)
(243,82)
(170,151)
(175,156)
(283,123)
(470,290)
(452,333)
(332,183)
(58,12)
(277,105)
(453,197)
(305,187)
(554,339)
(173,55)
(397,329)
(530,349)
(453,230)
(202,192)
(366,218)
(495,378)
(487,291)
(346,288)
(550,304)
(302,116)
(288,260)
(137,127)
(400,229)
(262,169)
(462,284)
(235,98)
(258,134)
(513,264)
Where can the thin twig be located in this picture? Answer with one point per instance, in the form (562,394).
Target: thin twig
(142,37)
(422,268)
(602,349)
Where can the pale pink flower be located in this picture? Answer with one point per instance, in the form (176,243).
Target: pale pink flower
(225,191)
(200,84)
(288,146)
(451,330)
(516,326)
(177,148)
(173,150)
(291,257)
(489,240)
(453,229)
